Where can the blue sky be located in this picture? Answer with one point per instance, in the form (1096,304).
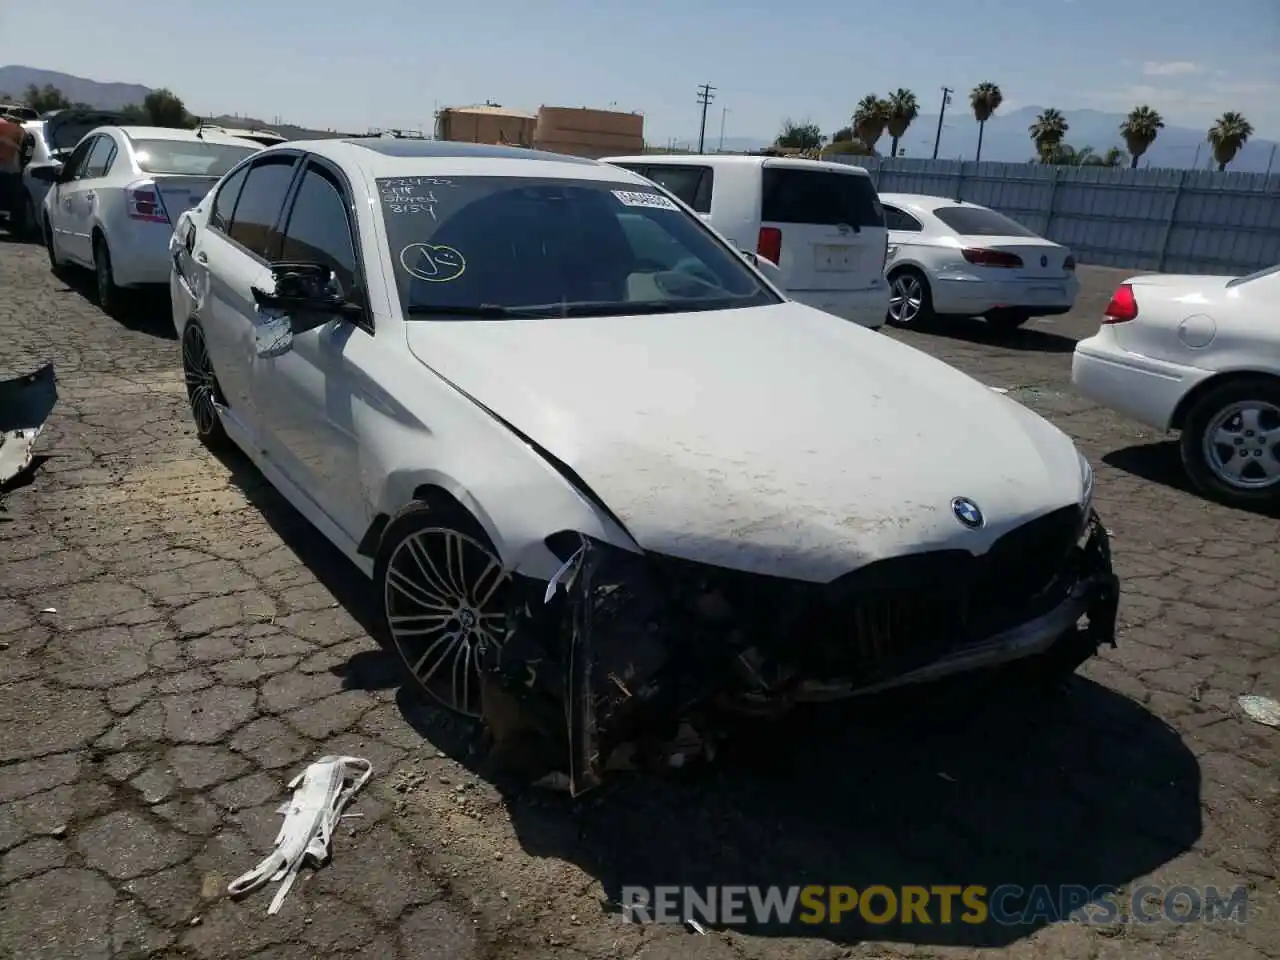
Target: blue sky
(351,65)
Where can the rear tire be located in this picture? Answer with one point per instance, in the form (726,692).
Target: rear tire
(1230,443)
(910,299)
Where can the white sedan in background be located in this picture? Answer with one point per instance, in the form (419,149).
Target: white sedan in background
(948,258)
(112,205)
(1200,355)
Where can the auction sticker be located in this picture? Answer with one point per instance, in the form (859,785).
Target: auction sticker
(655,200)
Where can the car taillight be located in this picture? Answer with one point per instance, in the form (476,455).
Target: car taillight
(1123,306)
(769,245)
(1069,263)
(991,258)
(142,201)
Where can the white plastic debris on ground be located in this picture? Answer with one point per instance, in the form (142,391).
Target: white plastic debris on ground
(1264,710)
(319,795)
(25,405)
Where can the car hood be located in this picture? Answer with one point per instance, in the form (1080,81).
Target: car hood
(777,440)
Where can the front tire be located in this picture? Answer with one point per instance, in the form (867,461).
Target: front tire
(105,282)
(203,391)
(442,588)
(910,299)
(55,265)
(1230,442)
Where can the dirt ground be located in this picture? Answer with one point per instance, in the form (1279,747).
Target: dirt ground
(176,643)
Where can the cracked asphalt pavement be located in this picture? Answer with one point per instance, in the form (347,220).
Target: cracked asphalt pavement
(176,643)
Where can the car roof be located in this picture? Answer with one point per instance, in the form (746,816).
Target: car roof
(138,132)
(740,159)
(921,201)
(398,157)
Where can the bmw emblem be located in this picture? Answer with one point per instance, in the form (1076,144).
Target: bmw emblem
(1044,261)
(967,512)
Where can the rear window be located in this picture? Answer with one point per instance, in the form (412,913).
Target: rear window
(67,135)
(981,222)
(820,197)
(194,157)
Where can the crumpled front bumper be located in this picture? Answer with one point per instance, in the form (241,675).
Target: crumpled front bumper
(25,405)
(611,653)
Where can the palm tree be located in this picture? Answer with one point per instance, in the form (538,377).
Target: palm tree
(985,99)
(870,119)
(1139,131)
(1231,132)
(1048,131)
(903,108)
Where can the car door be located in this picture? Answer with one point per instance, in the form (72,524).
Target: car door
(228,257)
(80,194)
(905,233)
(305,396)
(60,205)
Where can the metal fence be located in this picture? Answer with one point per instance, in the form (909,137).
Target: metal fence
(1172,221)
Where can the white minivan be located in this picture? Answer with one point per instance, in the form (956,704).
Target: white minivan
(821,223)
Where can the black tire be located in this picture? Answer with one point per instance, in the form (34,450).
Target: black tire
(1007,321)
(108,294)
(203,391)
(1224,411)
(30,229)
(898,281)
(55,264)
(423,553)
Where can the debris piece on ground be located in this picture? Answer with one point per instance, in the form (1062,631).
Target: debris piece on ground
(1265,710)
(327,785)
(696,927)
(25,405)
(1000,389)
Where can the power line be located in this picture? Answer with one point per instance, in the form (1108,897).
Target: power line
(706,93)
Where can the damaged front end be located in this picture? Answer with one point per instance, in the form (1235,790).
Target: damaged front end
(25,405)
(625,656)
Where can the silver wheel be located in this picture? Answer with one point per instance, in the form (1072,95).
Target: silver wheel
(1241,445)
(906,297)
(442,596)
(202,386)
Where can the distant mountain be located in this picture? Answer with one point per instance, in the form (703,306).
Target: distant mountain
(14,81)
(1006,139)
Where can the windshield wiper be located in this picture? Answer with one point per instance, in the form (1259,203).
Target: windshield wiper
(580,308)
(487,311)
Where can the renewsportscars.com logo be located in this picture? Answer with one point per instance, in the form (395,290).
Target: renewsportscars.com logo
(1005,905)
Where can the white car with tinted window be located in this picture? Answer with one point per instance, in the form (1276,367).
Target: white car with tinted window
(949,258)
(599,470)
(819,222)
(112,204)
(1201,355)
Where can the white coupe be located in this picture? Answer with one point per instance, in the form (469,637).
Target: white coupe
(1200,355)
(949,258)
(596,465)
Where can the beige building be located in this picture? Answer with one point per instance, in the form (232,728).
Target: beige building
(588,133)
(573,130)
(486,123)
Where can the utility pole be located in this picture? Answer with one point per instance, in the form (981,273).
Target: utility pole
(724,112)
(937,138)
(706,93)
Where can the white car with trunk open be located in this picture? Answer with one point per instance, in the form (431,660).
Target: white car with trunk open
(601,473)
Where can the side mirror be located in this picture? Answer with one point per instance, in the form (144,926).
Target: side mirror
(46,174)
(306,296)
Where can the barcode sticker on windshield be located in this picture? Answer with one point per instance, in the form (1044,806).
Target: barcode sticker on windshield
(655,200)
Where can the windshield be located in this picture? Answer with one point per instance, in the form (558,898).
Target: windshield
(195,157)
(980,222)
(1258,275)
(533,247)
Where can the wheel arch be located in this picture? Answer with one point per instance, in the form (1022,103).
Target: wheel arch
(1192,396)
(438,494)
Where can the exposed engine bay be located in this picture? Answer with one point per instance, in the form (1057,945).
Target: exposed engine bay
(624,656)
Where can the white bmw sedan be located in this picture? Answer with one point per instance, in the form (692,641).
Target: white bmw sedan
(112,205)
(597,467)
(1201,355)
(949,258)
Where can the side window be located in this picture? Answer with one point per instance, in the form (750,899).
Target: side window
(895,219)
(74,170)
(691,184)
(320,229)
(100,158)
(253,224)
(224,204)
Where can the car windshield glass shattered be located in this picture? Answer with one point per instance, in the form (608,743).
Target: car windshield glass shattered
(517,247)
